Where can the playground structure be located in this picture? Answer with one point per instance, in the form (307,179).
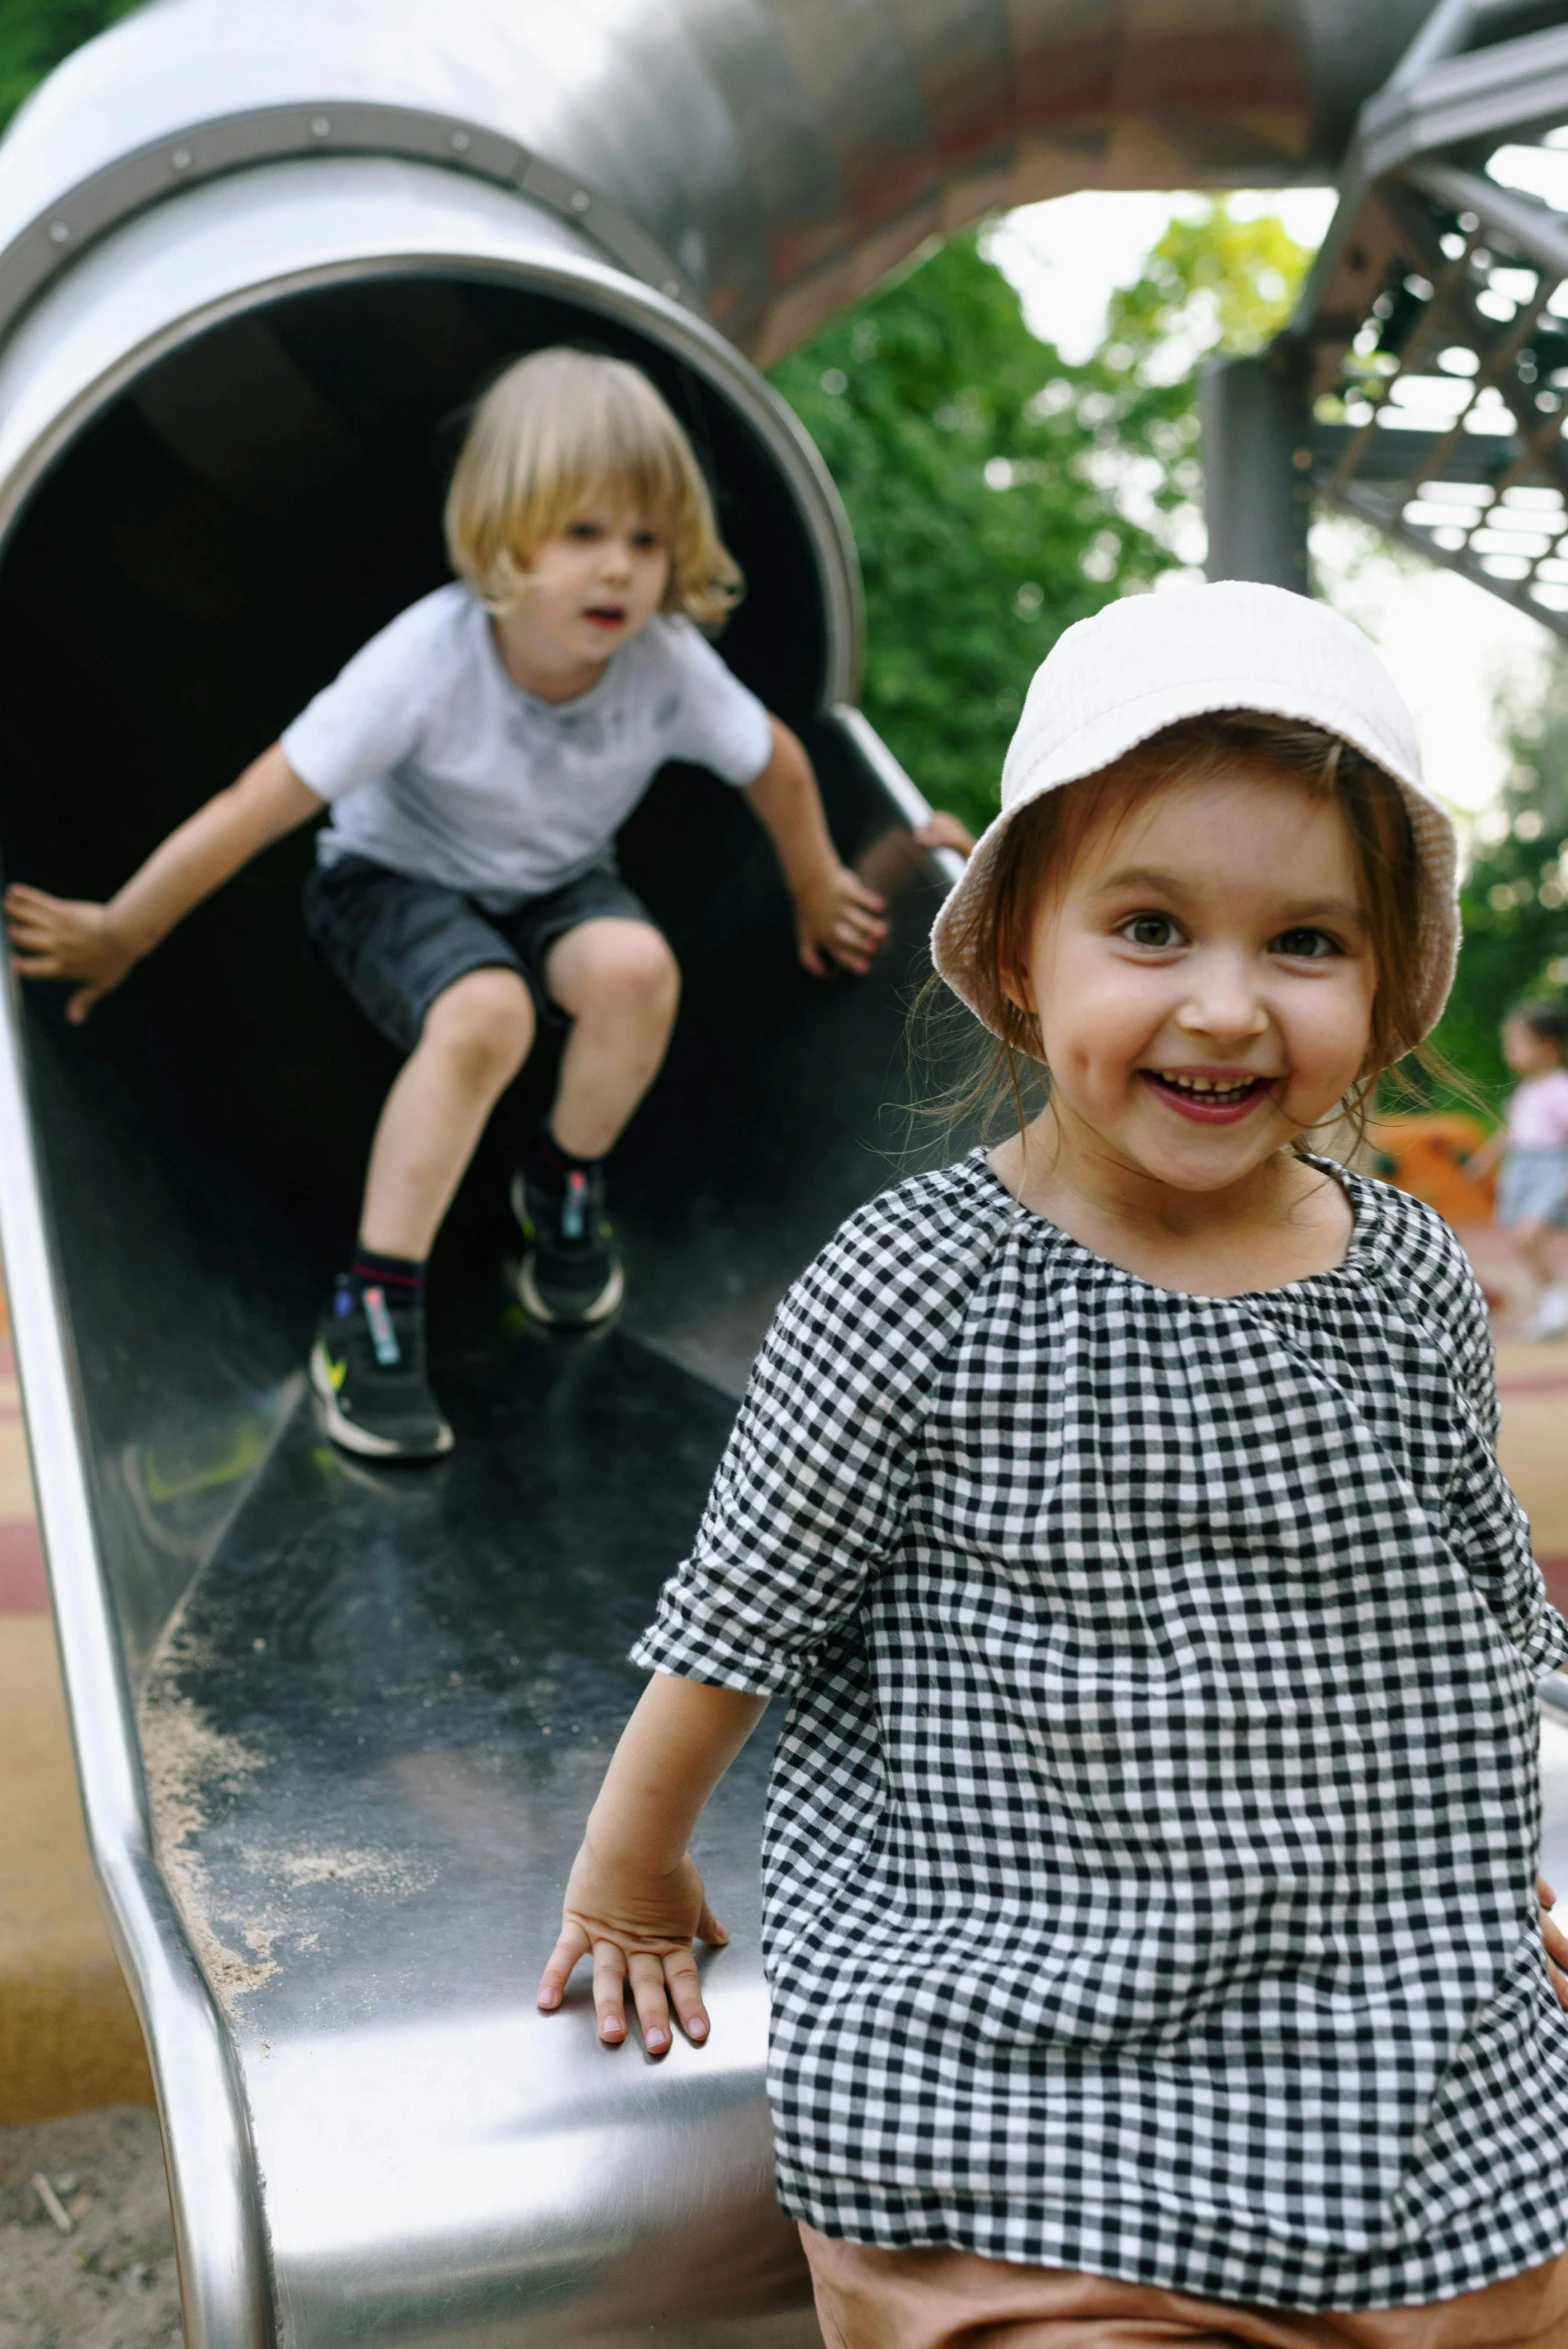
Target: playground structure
(337,1729)
(1422,383)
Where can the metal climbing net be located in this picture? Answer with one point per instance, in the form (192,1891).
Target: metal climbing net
(1432,337)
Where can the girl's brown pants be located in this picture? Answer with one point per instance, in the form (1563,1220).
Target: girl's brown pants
(869,2299)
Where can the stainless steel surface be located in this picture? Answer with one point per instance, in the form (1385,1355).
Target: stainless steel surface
(213,2185)
(103,339)
(1257,502)
(211,442)
(239,243)
(253,260)
(901,787)
(772,157)
(375,1865)
(1448,100)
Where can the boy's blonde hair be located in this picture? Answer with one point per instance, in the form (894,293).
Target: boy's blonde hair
(558,433)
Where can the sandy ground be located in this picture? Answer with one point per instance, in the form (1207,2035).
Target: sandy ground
(110,2283)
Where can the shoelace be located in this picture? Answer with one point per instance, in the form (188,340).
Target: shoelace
(574,1207)
(383,1337)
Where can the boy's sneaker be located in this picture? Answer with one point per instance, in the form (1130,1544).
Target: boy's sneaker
(571,1274)
(367,1367)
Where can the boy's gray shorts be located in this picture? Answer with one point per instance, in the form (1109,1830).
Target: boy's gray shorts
(1532,1186)
(396,944)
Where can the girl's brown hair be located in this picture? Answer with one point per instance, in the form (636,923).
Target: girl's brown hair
(1037,850)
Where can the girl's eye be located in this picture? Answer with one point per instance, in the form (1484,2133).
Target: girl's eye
(1306,945)
(582,531)
(1151,929)
(644,539)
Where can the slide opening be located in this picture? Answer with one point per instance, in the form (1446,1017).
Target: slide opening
(205,555)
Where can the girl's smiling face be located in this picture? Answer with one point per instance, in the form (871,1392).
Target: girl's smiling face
(1203,979)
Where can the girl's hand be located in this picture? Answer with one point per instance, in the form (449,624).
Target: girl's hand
(1556,1942)
(56,938)
(838,917)
(638,1926)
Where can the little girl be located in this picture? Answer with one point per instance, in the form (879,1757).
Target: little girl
(1149,1862)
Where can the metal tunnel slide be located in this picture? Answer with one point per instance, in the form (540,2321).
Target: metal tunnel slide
(337,1729)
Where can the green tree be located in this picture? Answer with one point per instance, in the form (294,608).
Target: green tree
(957,446)
(1212,282)
(36,34)
(1514,895)
(998,493)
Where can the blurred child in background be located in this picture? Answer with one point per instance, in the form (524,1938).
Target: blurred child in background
(1532,1183)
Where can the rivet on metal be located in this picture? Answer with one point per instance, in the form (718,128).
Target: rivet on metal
(181,159)
(672,287)
(580,200)
(460,142)
(60,233)
(320,127)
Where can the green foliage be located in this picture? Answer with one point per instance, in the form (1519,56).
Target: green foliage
(997,493)
(1516,929)
(1220,283)
(36,34)
(957,446)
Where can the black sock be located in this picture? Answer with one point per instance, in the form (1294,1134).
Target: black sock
(403,1275)
(548,1162)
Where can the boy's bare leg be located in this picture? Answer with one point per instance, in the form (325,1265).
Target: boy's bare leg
(477,1035)
(620,984)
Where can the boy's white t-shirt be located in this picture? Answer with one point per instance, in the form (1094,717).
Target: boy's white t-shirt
(436,764)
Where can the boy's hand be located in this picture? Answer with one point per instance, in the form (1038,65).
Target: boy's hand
(942,829)
(638,1926)
(1556,1943)
(58,938)
(840,919)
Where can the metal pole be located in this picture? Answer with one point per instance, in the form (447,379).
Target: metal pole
(1257,486)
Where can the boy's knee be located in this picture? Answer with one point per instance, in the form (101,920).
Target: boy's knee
(486,1019)
(633,973)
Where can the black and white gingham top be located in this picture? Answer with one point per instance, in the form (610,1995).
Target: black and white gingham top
(1150,1851)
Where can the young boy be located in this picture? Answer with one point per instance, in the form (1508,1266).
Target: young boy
(478,757)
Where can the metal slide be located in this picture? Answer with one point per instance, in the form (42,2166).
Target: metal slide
(337,1728)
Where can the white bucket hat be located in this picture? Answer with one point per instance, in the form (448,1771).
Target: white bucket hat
(1146,662)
